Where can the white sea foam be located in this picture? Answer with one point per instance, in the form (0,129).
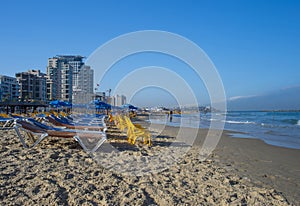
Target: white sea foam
(239,122)
(213,119)
(298,123)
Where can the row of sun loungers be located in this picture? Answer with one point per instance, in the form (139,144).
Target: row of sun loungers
(89,140)
(88,130)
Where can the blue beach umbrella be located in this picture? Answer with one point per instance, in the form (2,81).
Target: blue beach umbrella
(65,104)
(54,103)
(129,106)
(57,103)
(100,105)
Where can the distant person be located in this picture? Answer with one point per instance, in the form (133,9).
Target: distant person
(171,115)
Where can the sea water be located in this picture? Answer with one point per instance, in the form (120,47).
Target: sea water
(275,128)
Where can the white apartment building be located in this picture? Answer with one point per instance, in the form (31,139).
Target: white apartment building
(83,85)
(118,100)
(67,77)
(9,88)
(32,85)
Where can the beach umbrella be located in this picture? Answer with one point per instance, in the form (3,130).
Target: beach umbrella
(100,104)
(54,103)
(129,106)
(64,104)
(105,105)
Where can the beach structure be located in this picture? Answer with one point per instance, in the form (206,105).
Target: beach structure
(101,96)
(22,107)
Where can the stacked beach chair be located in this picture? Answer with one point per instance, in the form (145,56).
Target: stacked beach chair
(133,131)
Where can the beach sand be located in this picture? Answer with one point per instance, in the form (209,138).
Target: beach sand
(59,172)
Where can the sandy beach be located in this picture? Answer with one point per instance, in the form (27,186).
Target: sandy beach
(59,172)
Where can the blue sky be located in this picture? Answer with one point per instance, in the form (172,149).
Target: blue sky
(254,45)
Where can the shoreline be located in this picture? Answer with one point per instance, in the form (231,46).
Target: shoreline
(230,132)
(59,172)
(267,165)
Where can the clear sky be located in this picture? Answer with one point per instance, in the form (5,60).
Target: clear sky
(255,45)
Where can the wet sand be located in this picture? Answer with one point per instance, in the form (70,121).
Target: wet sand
(266,165)
(59,172)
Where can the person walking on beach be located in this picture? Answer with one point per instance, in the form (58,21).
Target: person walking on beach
(170,116)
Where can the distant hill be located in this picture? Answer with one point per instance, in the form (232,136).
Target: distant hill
(284,99)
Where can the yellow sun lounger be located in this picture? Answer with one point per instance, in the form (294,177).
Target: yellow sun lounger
(135,130)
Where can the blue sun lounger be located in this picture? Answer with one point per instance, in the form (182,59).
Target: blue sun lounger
(90,141)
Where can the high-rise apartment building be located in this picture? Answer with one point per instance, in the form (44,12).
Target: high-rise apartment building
(86,79)
(83,85)
(9,88)
(119,100)
(53,77)
(111,100)
(32,85)
(67,76)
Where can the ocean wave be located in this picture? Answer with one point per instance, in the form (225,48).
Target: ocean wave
(266,125)
(239,122)
(291,121)
(298,123)
(213,119)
